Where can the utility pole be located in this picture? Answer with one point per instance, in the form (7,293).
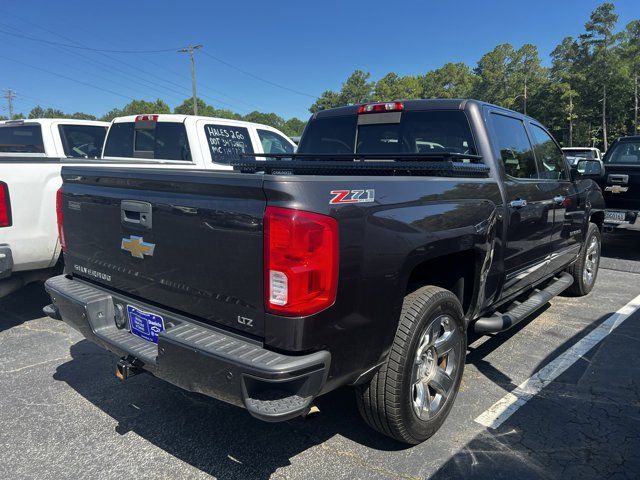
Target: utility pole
(190,49)
(10,95)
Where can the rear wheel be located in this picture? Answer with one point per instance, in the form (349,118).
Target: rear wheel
(585,269)
(411,395)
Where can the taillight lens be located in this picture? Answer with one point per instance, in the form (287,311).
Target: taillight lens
(60,216)
(5,206)
(301,261)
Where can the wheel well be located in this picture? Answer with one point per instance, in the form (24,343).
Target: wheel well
(598,219)
(455,272)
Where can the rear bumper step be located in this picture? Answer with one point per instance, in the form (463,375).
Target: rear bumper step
(270,385)
(501,321)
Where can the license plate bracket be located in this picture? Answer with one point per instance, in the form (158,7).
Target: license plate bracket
(146,325)
(615,216)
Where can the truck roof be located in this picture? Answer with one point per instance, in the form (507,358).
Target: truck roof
(49,121)
(179,118)
(421,104)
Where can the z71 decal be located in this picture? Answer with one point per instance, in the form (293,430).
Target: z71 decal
(352,196)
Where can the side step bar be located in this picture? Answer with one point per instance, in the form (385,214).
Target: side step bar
(499,322)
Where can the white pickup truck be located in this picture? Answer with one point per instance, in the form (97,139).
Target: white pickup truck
(197,142)
(32,153)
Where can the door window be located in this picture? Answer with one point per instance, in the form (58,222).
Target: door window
(549,155)
(82,141)
(274,143)
(514,146)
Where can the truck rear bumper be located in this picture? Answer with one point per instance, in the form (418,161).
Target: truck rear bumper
(631,221)
(194,356)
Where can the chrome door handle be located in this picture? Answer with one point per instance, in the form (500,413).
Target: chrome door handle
(558,200)
(518,203)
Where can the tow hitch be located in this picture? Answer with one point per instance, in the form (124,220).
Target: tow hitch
(128,367)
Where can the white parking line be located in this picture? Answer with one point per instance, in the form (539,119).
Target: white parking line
(511,402)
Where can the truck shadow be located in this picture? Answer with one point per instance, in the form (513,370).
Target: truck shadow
(620,246)
(219,439)
(584,424)
(23,305)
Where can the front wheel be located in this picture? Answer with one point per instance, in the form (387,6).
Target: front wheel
(411,395)
(585,269)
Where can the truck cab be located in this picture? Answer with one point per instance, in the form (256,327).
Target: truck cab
(362,260)
(193,141)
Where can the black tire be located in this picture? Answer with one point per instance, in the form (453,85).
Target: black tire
(583,283)
(387,402)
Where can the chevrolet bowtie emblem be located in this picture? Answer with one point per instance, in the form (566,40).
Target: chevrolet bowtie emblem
(137,247)
(616,189)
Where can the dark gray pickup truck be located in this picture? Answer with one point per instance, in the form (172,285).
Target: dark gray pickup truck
(362,260)
(621,185)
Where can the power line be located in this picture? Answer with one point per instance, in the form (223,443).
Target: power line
(142,80)
(59,44)
(257,77)
(67,78)
(136,67)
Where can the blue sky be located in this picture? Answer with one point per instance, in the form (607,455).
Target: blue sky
(305,46)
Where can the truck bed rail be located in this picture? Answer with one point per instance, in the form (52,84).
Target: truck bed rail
(413,164)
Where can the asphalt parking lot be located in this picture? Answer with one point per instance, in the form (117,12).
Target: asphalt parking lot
(65,415)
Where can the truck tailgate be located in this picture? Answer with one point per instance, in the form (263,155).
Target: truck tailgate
(621,187)
(188,240)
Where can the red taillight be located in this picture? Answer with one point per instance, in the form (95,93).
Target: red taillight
(381,107)
(5,206)
(301,261)
(147,118)
(60,216)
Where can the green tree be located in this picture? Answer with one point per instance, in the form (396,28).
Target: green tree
(294,127)
(137,107)
(494,76)
(631,54)
(356,89)
(452,80)
(601,40)
(393,87)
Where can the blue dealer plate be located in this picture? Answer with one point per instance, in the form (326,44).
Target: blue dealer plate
(145,325)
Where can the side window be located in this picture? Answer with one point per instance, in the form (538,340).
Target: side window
(227,143)
(82,141)
(550,157)
(274,143)
(515,149)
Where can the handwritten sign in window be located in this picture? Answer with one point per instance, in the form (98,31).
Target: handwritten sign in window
(227,142)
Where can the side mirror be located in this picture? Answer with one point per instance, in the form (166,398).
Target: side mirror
(588,169)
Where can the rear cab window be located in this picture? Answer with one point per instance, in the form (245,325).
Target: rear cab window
(227,142)
(626,152)
(21,139)
(82,141)
(148,139)
(428,131)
